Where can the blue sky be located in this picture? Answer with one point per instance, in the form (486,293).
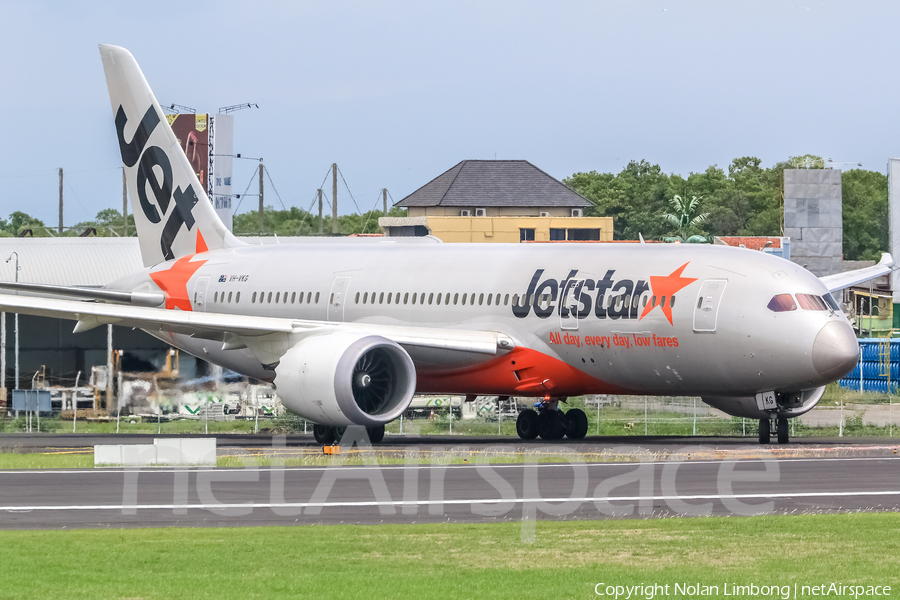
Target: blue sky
(398,92)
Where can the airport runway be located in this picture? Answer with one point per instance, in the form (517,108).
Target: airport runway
(702,478)
(658,445)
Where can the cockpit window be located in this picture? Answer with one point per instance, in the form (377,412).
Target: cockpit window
(811,302)
(782,303)
(829,300)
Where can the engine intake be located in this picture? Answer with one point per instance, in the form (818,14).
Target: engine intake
(346,378)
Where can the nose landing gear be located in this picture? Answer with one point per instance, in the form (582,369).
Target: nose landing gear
(781,429)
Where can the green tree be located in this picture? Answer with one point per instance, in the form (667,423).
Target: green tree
(298,222)
(635,198)
(19,222)
(807,161)
(864,196)
(107,223)
(685,218)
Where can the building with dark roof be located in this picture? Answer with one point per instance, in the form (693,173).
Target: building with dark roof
(503,188)
(497,201)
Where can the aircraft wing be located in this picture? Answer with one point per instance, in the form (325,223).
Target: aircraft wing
(840,281)
(240,330)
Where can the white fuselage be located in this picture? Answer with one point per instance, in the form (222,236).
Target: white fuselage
(584,305)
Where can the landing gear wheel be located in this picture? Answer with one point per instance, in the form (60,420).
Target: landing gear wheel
(551,424)
(765,431)
(527,424)
(339,433)
(576,424)
(783,432)
(323,434)
(376,434)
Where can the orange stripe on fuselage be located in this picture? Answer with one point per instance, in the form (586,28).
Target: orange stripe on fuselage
(521,372)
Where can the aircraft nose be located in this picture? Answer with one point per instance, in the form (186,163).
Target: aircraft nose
(836,350)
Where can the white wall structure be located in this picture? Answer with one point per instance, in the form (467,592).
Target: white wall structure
(163,451)
(813,219)
(221,149)
(894,210)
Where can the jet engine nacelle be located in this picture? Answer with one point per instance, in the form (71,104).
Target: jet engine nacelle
(790,404)
(346,378)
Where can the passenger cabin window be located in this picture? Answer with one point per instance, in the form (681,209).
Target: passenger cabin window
(811,302)
(782,303)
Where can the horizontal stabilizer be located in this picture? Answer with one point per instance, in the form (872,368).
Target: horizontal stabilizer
(135,298)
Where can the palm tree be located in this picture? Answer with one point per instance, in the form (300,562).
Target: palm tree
(684,218)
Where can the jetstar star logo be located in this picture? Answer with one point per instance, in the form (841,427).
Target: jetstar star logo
(664,288)
(577,297)
(173,281)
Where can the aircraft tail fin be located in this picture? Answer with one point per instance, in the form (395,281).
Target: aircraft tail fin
(172,212)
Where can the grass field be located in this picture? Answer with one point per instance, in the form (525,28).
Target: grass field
(12,460)
(566,560)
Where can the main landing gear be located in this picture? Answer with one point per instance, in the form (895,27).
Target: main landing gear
(329,435)
(781,429)
(551,423)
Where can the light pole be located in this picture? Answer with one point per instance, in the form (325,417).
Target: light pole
(832,164)
(17,319)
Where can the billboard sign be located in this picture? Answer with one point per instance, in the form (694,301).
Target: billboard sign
(192,132)
(221,149)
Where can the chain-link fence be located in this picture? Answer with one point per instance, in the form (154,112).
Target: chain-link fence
(144,407)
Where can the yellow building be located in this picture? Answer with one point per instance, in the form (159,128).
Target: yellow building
(502,229)
(497,201)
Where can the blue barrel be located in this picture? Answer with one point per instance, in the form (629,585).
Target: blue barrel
(871,349)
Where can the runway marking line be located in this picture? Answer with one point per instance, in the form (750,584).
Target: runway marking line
(376,503)
(169,469)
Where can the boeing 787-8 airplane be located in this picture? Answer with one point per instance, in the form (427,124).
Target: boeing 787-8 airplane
(349,334)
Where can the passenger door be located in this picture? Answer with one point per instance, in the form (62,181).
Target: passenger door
(337,298)
(569,305)
(706,309)
(200,289)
